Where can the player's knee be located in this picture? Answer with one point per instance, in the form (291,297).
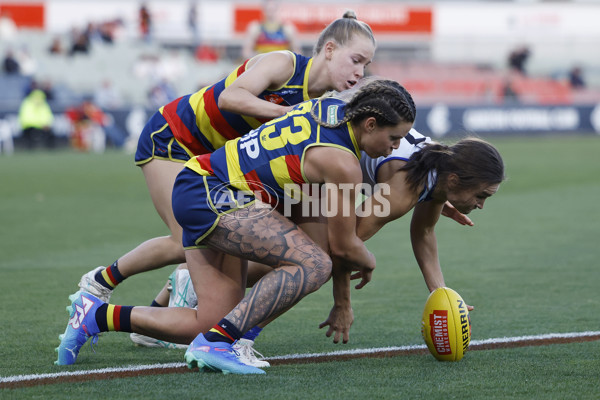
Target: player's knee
(319,273)
(175,250)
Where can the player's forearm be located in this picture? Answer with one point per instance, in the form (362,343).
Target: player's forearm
(240,101)
(426,254)
(368,226)
(341,284)
(351,252)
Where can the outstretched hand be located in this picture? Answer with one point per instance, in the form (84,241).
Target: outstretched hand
(451,212)
(339,321)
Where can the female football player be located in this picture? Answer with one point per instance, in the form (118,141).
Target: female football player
(262,88)
(217,201)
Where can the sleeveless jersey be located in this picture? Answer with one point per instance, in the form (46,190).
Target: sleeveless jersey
(271,39)
(410,144)
(201,127)
(269,159)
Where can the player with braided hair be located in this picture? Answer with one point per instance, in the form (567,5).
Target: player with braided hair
(219,201)
(264,87)
(386,101)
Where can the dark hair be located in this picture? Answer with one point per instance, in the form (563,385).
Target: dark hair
(385,100)
(342,30)
(473,160)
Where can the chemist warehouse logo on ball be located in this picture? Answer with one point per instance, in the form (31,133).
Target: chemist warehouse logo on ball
(307,200)
(438,321)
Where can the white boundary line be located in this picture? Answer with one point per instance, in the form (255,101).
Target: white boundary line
(422,346)
(131,368)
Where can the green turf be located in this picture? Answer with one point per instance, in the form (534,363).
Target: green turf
(529,266)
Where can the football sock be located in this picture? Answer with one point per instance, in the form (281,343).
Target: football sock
(224,331)
(109,277)
(114,318)
(156,304)
(252,334)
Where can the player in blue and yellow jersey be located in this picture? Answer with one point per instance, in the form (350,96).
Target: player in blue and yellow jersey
(318,142)
(262,88)
(269,33)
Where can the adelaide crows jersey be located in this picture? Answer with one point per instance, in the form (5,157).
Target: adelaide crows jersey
(270,158)
(271,38)
(199,125)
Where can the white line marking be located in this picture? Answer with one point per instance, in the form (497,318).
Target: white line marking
(549,336)
(19,378)
(422,346)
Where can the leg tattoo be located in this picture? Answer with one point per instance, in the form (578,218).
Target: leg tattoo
(269,238)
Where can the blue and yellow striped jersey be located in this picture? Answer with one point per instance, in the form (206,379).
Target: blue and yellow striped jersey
(271,38)
(201,127)
(271,157)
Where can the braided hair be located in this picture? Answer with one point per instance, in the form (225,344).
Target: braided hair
(473,160)
(385,100)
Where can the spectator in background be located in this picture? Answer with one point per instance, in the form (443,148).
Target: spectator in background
(81,43)
(269,34)
(93,129)
(92,33)
(35,118)
(8,28)
(28,65)
(10,64)
(160,94)
(207,54)
(509,94)
(56,47)
(48,88)
(145,23)
(576,80)
(517,59)
(45,86)
(87,133)
(106,31)
(107,97)
(192,19)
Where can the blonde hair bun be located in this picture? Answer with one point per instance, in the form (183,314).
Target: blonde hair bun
(350,14)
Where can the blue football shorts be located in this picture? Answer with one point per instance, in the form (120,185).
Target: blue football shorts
(157,142)
(200,201)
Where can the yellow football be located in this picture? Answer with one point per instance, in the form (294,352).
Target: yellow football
(446,326)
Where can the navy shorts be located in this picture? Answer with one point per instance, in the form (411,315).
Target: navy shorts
(200,201)
(157,142)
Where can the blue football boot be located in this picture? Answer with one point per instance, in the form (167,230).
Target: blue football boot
(216,356)
(82,325)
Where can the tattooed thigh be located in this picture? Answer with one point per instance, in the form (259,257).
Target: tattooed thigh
(269,238)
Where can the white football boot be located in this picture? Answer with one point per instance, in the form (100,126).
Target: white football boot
(246,353)
(89,285)
(147,341)
(182,290)
(181,294)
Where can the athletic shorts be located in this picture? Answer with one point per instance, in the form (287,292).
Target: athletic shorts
(157,142)
(200,201)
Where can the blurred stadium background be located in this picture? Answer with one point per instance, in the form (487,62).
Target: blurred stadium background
(489,67)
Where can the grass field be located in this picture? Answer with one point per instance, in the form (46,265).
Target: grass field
(529,266)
